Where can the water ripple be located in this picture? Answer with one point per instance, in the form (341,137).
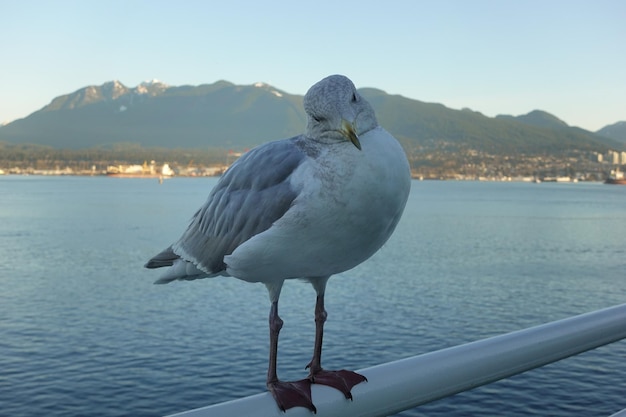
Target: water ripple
(83,331)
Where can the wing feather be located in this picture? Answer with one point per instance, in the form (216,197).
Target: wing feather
(248,199)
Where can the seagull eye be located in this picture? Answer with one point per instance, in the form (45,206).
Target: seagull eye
(354,99)
(317,118)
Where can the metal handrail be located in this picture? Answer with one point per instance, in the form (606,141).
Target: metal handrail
(396,386)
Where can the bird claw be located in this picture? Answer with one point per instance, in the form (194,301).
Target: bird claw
(289,394)
(342,380)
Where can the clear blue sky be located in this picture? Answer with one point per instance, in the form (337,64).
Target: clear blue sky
(567,57)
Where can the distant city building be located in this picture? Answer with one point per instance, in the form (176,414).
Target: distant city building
(613,157)
(598,157)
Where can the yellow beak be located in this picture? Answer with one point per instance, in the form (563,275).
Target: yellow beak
(347,129)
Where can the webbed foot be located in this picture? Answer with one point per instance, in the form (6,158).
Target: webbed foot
(289,394)
(342,380)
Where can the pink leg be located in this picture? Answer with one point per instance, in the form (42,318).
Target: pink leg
(342,380)
(287,394)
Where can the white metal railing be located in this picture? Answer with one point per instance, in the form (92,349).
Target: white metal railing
(396,386)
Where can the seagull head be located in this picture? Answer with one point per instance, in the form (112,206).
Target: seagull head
(336,112)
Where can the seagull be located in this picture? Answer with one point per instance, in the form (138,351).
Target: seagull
(306,207)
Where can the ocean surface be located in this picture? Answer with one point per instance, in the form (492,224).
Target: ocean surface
(84,332)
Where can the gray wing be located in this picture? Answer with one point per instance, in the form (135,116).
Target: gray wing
(248,199)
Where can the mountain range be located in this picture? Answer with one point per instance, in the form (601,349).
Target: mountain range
(615,131)
(228,116)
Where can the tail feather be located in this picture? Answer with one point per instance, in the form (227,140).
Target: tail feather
(179,269)
(165,258)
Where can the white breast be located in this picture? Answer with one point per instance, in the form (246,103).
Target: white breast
(350,203)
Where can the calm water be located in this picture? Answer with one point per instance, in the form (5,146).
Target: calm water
(84,332)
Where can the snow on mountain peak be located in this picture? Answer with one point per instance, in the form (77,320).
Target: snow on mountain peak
(153,87)
(152,82)
(110,90)
(268,88)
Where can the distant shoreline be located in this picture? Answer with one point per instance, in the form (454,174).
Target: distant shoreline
(562,180)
